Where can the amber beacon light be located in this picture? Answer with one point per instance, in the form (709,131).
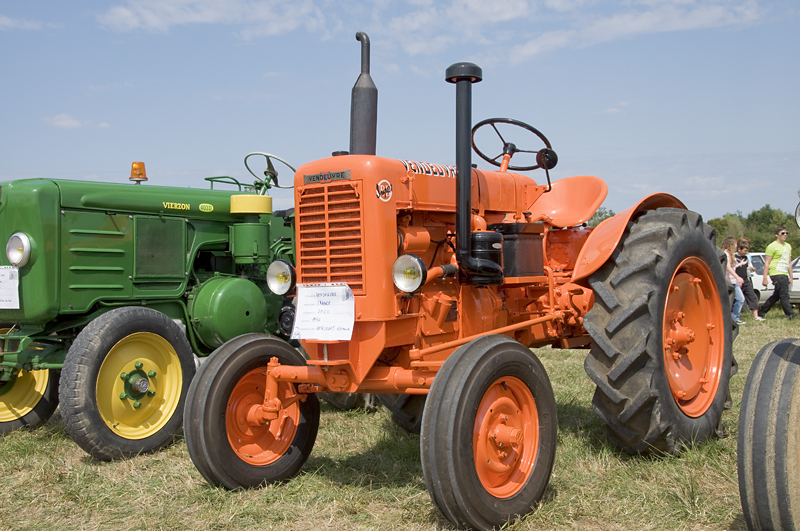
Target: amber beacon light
(137,172)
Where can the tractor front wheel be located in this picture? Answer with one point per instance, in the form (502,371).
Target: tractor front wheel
(661,329)
(27,399)
(124,383)
(769,438)
(488,437)
(227,446)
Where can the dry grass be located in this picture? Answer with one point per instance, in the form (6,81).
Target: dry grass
(365,473)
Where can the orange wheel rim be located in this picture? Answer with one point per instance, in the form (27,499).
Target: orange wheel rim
(694,337)
(259,444)
(506,437)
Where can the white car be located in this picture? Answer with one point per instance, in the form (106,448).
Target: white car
(757,259)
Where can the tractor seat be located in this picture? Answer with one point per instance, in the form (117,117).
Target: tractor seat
(570,201)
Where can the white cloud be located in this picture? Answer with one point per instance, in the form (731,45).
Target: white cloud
(433,26)
(63,121)
(256,17)
(8,23)
(616,109)
(639,18)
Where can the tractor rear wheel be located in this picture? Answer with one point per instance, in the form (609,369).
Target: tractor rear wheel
(27,399)
(488,436)
(229,450)
(406,410)
(769,438)
(124,383)
(661,329)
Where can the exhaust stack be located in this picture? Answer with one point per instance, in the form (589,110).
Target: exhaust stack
(364,106)
(471,269)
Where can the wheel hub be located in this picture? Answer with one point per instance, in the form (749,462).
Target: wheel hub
(252,436)
(137,384)
(678,337)
(506,437)
(693,337)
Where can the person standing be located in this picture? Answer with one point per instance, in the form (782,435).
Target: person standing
(778,262)
(744,269)
(729,246)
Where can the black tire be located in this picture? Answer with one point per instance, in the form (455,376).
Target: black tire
(210,415)
(406,410)
(28,399)
(768,447)
(124,383)
(646,297)
(477,383)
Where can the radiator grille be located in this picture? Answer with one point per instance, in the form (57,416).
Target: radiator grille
(160,247)
(331,235)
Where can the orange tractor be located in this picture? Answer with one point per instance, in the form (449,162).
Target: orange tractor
(432,282)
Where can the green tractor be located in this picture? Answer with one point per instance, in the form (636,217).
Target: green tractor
(110,292)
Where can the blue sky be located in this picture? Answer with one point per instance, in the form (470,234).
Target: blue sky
(698,98)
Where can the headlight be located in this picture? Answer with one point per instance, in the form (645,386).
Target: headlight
(281,277)
(409,273)
(18,249)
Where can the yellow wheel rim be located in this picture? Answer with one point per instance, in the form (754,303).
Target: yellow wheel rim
(139,385)
(23,394)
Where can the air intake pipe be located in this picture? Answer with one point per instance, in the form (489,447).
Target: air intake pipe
(363,106)
(471,269)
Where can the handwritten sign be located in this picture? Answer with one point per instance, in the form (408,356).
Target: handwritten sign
(9,288)
(325,312)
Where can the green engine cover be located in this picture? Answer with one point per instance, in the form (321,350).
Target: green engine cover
(225,307)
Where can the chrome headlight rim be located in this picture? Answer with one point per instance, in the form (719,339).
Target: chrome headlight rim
(409,273)
(18,249)
(281,277)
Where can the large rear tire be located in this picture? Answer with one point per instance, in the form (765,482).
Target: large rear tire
(28,399)
(488,436)
(124,383)
(661,329)
(226,449)
(406,410)
(769,439)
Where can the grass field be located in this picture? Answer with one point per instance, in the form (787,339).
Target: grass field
(365,473)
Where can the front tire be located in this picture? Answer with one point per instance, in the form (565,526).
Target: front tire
(28,399)
(661,329)
(124,383)
(488,433)
(768,446)
(226,449)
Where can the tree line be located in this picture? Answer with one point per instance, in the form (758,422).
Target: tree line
(759,225)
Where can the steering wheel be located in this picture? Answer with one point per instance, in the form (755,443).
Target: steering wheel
(545,158)
(270,178)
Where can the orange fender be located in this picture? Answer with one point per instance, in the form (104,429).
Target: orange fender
(606,236)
